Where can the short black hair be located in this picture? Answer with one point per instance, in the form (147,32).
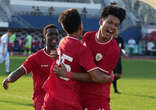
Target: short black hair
(70,20)
(47,27)
(115,11)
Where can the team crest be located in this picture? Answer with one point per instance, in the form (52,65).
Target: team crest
(98,56)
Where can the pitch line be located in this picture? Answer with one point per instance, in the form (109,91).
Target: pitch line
(15,96)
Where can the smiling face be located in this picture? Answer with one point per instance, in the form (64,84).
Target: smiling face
(108,27)
(51,37)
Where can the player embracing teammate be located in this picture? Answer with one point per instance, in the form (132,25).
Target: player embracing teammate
(74,59)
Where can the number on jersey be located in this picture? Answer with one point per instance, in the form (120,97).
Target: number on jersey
(62,59)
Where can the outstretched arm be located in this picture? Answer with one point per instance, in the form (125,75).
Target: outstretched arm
(93,76)
(124,52)
(13,76)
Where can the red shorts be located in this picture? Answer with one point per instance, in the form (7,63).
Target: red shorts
(95,103)
(10,44)
(38,102)
(54,104)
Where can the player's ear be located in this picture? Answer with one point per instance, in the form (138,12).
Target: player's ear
(44,38)
(100,22)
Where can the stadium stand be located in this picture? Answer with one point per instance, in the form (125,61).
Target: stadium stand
(33,15)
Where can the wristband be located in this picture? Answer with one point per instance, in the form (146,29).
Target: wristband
(112,77)
(69,75)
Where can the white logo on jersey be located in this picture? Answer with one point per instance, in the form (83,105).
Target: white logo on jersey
(62,59)
(98,56)
(44,65)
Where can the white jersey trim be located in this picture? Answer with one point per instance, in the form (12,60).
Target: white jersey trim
(92,69)
(24,69)
(73,38)
(103,70)
(46,53)
(104,42)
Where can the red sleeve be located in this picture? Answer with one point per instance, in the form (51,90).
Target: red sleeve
(29,64)
(86,59)
(84,38)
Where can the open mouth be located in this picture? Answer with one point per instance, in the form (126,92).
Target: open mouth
(109,32)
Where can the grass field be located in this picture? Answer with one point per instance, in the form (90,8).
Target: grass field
(138,87)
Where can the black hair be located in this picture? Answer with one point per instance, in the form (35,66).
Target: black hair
(70,20)
(115,11)
(47,27)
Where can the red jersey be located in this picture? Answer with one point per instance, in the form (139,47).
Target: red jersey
(39,64)
(105,56)
(76,58)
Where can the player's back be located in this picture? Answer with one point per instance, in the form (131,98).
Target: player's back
(65,89)
(71,49)
(72,54)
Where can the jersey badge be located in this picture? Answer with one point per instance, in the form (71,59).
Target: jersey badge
(98,57)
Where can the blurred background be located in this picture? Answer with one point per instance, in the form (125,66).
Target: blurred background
(30,16)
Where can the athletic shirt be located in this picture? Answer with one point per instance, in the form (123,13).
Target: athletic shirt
(76,58)
(4,40)
(39,64)
(12,38)
(105,56)
(28,40)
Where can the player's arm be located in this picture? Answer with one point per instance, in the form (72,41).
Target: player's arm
(62,72)
(93,76)
(100,76)
(124,52)
(13,76)
(123,47)
(3,48)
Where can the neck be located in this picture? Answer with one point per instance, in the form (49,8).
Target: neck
(48,50)
(75,35)
(101,38)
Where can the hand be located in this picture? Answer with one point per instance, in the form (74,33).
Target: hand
(5,83)
(117,75)
(60,70)
(126,54)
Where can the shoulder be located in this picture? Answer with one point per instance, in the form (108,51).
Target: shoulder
(4,36)
(84,48)
(89,35)
(63,40)
(36,55)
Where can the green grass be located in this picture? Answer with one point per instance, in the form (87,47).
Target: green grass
(138,87)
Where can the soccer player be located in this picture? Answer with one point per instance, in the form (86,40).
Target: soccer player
(11,43)
(118,68)
(28,44)
(105,50)
(39,64)
(63,93)
(4,53)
